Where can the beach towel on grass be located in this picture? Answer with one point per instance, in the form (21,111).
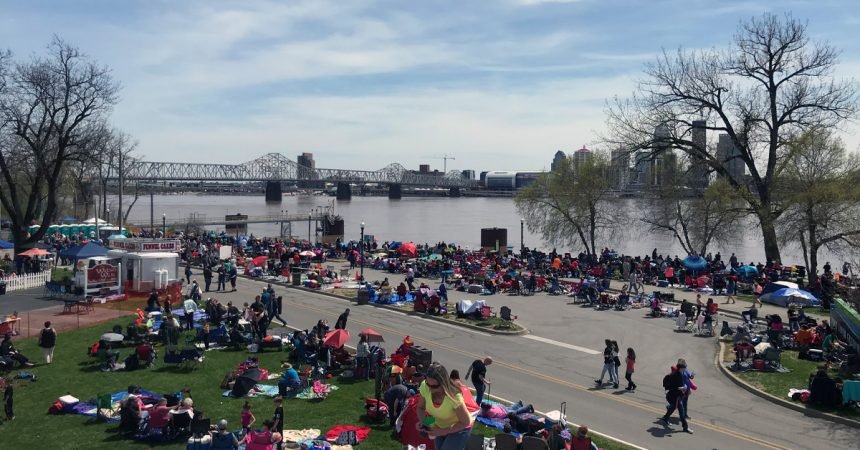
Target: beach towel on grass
(300,435)
(360,432)
(267,391)
(112,415)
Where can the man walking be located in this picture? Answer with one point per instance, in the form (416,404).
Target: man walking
(478,371)
(207,276)
(222,279)
(340,324)
(675,388)
(47,340)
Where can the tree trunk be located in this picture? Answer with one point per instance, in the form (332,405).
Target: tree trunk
(768,231)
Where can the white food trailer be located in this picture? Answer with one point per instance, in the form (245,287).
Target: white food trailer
(147,263)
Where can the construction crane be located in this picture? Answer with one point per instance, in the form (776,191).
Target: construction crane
(444,159)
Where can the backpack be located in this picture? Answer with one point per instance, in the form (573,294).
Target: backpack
(667,382)
(376,409)
(56,408)
(132,363)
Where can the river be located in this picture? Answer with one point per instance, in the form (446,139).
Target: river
(430,220)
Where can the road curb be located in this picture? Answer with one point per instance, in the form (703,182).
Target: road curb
(718,360)
(521,332)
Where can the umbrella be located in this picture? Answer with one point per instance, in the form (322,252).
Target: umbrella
(336,338)
(34,252)
(747,270)
(694,262)
(245,382)
(371,335)
(307,253)
(260,260)
(435,257)
(5,245)
(408,249)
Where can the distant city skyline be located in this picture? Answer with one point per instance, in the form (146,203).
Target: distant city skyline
(498,85)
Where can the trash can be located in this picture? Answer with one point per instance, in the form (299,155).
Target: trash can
(2,288)
(297,278)
(363,296)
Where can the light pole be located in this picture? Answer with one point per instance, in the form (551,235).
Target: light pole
(107,211)
(522,233)
(309,227)
(361,251)
(163,225)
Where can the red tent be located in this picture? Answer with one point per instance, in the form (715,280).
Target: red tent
(408,249)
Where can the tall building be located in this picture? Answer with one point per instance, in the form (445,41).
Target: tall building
(557,159)
(307,160)
(729,155)
(663,161)
(619,175)
(642,169)
(581,156)
(698,174)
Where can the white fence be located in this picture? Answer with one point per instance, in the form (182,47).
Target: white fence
(32,280)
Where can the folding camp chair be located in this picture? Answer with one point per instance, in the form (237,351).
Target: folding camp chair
(104,401)
(534,443)
(505,441)
(475,442)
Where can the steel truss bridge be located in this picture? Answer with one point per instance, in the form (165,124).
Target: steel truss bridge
(274,167)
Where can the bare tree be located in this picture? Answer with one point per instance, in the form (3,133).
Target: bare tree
(770,86)
(695,220)
(570,205)
(823,202)
(50,108)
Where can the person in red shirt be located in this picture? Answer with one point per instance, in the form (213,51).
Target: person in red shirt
(160,416)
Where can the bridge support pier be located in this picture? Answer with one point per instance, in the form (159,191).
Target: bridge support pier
(273,191)
(454,192)
(344,191)
(395,191)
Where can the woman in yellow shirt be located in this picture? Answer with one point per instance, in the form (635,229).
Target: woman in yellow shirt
(442,412)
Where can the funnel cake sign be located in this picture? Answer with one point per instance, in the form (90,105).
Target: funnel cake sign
(145,245)
(102,273)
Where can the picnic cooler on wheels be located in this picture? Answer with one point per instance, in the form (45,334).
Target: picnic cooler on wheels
(557,417)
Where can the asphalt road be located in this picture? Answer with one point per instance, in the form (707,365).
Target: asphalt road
(561,357)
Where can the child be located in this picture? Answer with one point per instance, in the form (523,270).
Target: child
(631,363)
(248,418)
(278,419)
(7,397)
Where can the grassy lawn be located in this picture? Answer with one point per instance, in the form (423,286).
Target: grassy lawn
(778,384)
(74,373)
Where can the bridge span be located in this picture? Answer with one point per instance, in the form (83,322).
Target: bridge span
(275,168)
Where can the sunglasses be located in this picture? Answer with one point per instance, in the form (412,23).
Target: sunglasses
(433,386)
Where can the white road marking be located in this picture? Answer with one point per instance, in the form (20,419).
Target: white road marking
(562,344)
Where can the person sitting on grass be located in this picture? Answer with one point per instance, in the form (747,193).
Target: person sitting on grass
(159,417)
(289,384)
(8,351)
(823,391)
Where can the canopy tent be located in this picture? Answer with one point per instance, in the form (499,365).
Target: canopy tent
(95,220)
(85,251)
(694,262)
(786,296)
(6,245)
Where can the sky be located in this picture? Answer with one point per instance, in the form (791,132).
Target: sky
(498,85)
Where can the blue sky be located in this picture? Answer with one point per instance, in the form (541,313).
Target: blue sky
(500,85)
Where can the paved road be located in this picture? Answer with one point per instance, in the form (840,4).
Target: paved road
(560,359)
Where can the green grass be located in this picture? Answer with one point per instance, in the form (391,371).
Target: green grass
(73,372)
(61,274)
(778,384)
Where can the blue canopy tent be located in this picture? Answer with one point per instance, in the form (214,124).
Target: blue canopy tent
(695,262)
(6,245)
(87,250)
(788,295)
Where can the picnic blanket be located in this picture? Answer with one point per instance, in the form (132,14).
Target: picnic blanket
(89,408)
(300,435)
(360,432)
(266,391)
(272,391)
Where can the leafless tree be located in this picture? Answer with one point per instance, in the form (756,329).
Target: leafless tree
(770,86)
(50,108)
(571,205)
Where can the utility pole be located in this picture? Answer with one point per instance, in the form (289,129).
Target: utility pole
(121,183)
(151,214)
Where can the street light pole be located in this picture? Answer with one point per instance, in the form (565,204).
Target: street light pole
(361,251)
(163,225)
(522,234)
(309,228)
